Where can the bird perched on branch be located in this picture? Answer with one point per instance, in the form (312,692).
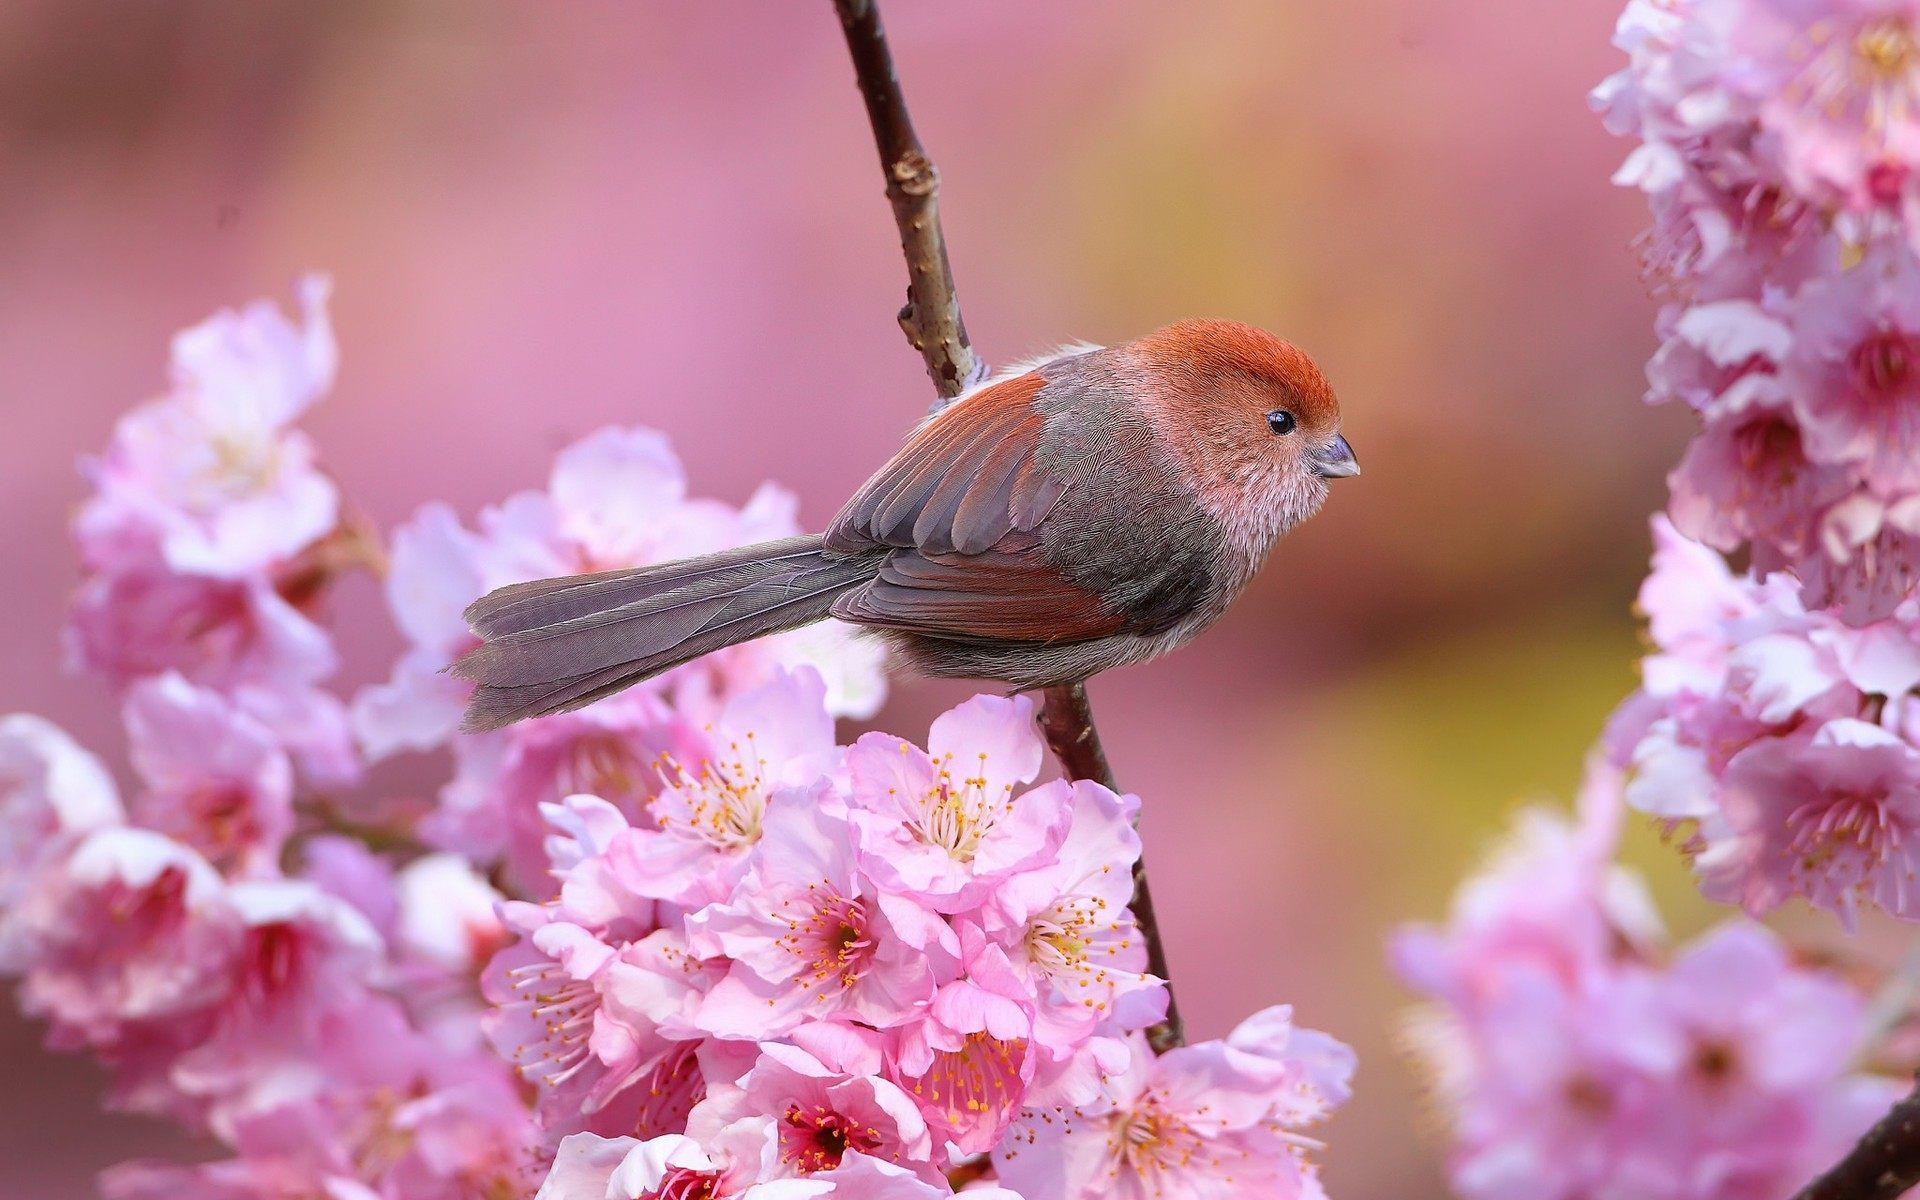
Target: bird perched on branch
(1097,509)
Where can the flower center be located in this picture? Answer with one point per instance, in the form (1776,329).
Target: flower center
(603,765)
(1715,1061)
(817,1138)
(150,913)
(1882,363)
(726,803)
(1587,1096)
(222,819)
(1055,948)
(685,1183)
(562,1009)
(1869,79)
(1061,939)
(669,1092)
(241,466)
(274,960)
(1769,447)
(1150,1140)
(831,938)
(1849,826)
(376,1138)
(957,815)
(1885,49)
(981,1077)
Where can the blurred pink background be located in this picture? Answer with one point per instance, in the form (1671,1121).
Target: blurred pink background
(545,218)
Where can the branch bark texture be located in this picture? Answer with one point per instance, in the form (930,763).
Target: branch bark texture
(1882,1165)
(931,320)
(931,317)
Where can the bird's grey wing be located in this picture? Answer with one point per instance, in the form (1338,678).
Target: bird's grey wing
(964,481)
(963,507)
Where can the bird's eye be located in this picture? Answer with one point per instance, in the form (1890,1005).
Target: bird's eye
(1280,421)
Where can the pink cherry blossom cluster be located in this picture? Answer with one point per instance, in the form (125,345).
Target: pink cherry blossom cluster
(679,944)
(863,967)
(239,968)
(1778,146)
(211,528)
(1783,739)
(1578,1056)
(1777,728)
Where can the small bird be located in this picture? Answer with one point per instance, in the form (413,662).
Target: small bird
(1099,507)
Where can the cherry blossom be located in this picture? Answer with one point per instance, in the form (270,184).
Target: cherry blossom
(215,778)
(808,936)
(950,822)
(1834,817)
(1066,930)
(711,810)
(1202,1120)
(130,929)
(211,477)
(1717,1071)
(820,1113)
(52,791)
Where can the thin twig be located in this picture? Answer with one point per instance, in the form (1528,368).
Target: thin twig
(1067,720)
(1882,1165)
(931,317)
(1886,1160)
(932,323)
(1893,1005)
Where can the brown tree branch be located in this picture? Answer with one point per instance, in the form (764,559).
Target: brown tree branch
(1067,720)
(1884,1164)
(932,323)
(931,317)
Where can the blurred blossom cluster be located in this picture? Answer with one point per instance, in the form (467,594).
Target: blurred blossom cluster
(1778,722)
(680,944)
(1581,1056)
(1777,728)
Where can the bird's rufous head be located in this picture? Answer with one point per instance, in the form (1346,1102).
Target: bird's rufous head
(1251,422)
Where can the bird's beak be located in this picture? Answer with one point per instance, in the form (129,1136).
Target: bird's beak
(1335,460)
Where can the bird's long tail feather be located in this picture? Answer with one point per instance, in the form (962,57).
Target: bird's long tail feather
(559,644)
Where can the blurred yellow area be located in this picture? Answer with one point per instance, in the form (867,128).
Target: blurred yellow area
(1481,725)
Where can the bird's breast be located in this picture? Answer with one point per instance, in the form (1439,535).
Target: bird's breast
(1149,553)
